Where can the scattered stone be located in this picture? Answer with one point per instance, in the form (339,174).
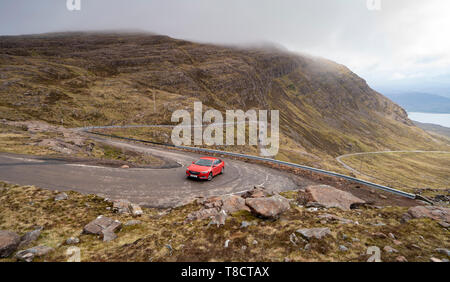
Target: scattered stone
(72,241)
(227,242)
(132,222)
(255,242)
(169,247)
(121,206)
(355,240)
(389,249)
(382,196)
(397,242)
(135,210)
(245,224)
(125,166)
(435,260)
(343,248)
(9,241)
(219,219)
(379,235)
(440,214)
(103,226)
(401,259)
(293,238)
(331,197)
(29,237)
(244,248)
(268,207)
(392,236)
(108,235)
(307,247)
(29,254)
(443,251)
(61,196)
(317,233)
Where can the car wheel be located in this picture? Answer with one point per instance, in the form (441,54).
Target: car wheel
(210,176)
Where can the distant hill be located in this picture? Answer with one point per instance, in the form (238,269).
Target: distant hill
(441,130)
(421,102)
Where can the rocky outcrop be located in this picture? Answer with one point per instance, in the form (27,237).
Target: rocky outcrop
(440,214)
(328,197)
(9,241)
(270,207)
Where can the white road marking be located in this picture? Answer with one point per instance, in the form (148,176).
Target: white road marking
(24,159)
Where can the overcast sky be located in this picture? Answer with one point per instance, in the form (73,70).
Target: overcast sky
(403,46)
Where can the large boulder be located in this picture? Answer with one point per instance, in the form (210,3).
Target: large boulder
(330,197)
(9,241)
(103,226)
(440,214)
(270,207)
(233,203)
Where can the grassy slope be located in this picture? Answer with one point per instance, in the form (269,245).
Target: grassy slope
(28,206)
(405,170)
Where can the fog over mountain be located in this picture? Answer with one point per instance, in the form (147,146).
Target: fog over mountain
(404,45)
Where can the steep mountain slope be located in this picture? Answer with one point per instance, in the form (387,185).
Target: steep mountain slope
(106,78)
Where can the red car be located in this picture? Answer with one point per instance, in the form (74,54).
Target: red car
(205,168)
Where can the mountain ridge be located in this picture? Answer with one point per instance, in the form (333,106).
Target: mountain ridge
(108,78)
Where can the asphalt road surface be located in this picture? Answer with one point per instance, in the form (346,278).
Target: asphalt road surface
(157,187)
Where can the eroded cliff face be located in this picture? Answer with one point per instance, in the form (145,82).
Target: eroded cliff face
(103,78)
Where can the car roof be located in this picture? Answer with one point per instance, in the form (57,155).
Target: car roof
(209,158)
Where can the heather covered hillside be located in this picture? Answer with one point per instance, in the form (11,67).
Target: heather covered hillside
(79,79)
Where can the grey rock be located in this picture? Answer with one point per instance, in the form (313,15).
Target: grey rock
(219,219)
(245,224)
(268,207)
(29,254)
(317,233)
(9,241)
(103,226)
(72,241)
(343,248)
(61,196)
(132,222)
(389,249)
(443,251)
(29,237)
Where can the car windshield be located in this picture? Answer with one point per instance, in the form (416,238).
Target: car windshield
(204,162)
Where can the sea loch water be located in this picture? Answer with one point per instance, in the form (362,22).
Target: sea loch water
(440,119)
